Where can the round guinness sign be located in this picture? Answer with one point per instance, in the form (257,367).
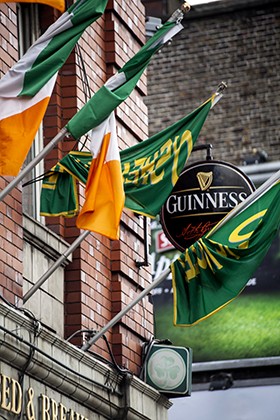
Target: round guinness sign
(204,193)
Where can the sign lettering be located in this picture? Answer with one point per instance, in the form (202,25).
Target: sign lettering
(204,193)
(13,398)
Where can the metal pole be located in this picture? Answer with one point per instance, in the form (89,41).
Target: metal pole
(184,9)
(62,258)
(255,195)
(249,200)
(75,244)
(33,163)
(117,317)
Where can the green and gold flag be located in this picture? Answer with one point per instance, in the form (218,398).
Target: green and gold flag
(59,189)
(150,169)
(216,268)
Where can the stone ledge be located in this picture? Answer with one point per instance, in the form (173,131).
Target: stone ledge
(44,239)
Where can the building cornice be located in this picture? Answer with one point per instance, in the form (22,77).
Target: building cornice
(61,366)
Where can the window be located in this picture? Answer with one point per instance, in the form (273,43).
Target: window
(28,32)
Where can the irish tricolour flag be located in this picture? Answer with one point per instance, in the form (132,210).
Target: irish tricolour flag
(102,210)
(57,4)
(104,202)
(26,89)
(120,85)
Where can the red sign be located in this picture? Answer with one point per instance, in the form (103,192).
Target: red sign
(162,243)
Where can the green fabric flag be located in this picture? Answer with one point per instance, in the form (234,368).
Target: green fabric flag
(120,86)
(26,89)
(150,169)
(59,190)
(47,55)
(214,270)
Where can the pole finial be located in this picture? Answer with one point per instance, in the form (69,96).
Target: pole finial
(186,7)
(178,15)
(222,86)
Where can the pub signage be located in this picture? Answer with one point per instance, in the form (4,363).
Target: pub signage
(26,404)
(204,193)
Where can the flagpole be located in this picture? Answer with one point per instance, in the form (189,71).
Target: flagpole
(58,262)
(117,317)
(261,190)
(60,136)
(177,16)
(35,287)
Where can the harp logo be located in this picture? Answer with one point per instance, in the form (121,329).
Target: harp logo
(205,180)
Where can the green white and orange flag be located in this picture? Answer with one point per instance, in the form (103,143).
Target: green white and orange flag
(102,209)
(56,4)
(26,89)
(215,269)
(119,87)
(149,169)
(104,192)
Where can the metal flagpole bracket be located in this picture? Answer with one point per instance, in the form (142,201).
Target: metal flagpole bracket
(145,261)
(60,136)
(208,148)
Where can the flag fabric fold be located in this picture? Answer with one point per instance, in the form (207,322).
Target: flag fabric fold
(216,268)
(120,86)
(56,4)
(26,88)
(59,196)
(150,169)
(101,172)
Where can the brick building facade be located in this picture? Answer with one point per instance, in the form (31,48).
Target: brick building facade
(101,276)
(232,41)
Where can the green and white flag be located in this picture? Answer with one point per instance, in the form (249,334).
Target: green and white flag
(215,269)
(150,169)
(120,86)
(26,88)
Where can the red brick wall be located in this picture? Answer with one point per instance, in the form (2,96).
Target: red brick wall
(11,244)
(103,277)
